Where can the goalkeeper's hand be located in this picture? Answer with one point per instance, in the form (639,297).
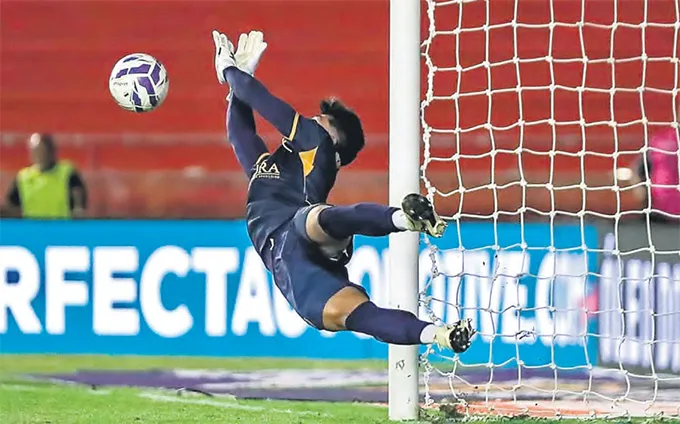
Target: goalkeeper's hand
(249,51)
(224,55)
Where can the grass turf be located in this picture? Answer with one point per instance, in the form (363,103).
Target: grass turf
(15,364)
(28,401)
(71,404)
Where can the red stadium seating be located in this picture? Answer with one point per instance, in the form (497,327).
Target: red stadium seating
(175,161)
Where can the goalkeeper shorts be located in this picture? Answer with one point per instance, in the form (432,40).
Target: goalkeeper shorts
(306,280)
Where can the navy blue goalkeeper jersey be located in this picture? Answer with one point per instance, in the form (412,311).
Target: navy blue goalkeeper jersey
(301,172)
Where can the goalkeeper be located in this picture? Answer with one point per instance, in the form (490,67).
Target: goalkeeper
(304,242)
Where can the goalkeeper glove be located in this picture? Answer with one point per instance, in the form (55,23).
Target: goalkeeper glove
(224,55)
(249,51)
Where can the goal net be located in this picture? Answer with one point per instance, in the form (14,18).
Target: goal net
(530,110)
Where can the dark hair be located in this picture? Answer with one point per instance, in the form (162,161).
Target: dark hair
(640,169)
(644,176)
(348,125)
(48,141)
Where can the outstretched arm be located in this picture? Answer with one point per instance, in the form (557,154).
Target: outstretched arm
(237,68)
(279,113)
(247,145)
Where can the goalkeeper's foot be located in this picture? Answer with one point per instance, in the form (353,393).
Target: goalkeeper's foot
(421,216)
(455,336)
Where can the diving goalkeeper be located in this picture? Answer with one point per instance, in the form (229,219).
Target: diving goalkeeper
(303,241)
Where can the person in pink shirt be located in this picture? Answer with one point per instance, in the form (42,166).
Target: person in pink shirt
(664,174)
(663,168)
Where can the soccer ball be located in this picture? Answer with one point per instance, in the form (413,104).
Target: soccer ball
(138,82)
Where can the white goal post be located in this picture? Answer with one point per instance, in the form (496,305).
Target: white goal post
(528,111)
(404,178)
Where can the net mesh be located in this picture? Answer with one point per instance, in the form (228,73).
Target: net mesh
(532,108)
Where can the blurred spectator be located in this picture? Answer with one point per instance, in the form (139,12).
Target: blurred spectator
(659,165)
(49,188)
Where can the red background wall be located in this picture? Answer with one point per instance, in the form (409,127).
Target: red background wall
(55,58)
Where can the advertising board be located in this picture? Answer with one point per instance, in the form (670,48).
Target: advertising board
(199,288)
(639,295)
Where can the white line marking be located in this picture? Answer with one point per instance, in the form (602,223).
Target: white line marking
(19,387)
(227,405)
(29,388)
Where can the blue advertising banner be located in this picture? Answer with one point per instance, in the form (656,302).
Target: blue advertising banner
(199,288)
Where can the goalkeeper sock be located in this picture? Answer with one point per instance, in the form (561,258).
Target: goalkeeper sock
(392,326)
(368,219)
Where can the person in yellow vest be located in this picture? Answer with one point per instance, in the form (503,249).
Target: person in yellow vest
(49,188)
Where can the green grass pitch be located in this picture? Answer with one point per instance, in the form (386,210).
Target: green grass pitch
(27,401)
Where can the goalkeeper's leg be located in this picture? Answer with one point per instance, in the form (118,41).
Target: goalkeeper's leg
(327,224)
(350,309)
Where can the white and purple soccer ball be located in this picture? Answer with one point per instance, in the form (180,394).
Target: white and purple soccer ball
(139,82)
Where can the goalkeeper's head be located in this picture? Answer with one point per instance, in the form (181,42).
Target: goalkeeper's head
(345,129)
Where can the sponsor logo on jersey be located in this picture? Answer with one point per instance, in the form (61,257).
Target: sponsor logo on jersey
(267,170)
